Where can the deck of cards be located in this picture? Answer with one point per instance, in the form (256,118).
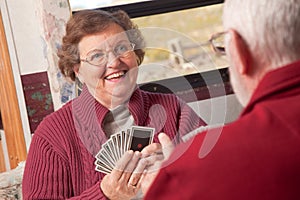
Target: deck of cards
(112,150)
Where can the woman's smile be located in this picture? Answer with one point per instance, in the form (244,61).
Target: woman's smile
(115,76)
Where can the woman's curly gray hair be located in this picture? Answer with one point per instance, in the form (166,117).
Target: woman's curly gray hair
(88,22)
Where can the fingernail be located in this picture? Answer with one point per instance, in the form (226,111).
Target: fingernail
(130,152)
(137,153)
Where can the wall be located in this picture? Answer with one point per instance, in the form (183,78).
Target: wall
(30,45)
(34,28)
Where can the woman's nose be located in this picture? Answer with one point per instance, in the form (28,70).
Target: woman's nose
(112,60)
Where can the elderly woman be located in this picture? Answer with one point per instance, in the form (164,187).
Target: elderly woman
(103,50)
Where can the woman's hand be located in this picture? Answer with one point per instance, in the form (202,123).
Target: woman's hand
(124,180)
(159,154)
(136,170)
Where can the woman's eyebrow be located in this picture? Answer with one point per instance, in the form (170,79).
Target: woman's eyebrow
(110,45)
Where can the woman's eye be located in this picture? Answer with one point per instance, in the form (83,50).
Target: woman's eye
(122,48)
(97,56)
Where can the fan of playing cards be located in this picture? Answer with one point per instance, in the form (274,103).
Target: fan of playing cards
(112,150)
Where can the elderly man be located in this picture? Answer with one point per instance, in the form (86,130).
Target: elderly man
(257,156)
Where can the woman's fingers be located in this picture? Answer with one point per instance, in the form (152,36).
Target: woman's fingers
(133,162)
(137,173)
(150,163)
(148,177)
(121,165)
(130,167)
(167,145)
(151,148)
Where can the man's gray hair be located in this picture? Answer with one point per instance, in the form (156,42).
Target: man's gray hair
(271,28)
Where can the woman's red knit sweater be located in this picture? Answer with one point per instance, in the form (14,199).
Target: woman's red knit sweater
(60,162)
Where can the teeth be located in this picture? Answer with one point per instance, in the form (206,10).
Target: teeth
(115,75)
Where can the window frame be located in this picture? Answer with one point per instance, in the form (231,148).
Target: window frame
(146,8)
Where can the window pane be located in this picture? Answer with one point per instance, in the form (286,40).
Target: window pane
(174,43)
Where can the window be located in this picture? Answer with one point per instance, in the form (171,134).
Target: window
(175,32)
(175,43)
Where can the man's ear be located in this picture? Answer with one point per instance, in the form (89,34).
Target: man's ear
(239,52)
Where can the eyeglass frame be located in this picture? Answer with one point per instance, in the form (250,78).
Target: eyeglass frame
(217,49)
(132,45)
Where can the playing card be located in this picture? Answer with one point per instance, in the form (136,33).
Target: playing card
(111,146)
(122,136)
(127,135)
(115,146)
(106,147)
(140,137)
(102,163)
(106,158)
(103,170)
(135,138)
(118,147)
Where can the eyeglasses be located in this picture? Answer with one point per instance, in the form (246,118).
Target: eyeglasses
(99,57)
(217,43)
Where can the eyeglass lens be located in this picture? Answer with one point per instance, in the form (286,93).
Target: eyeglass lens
(99,57)
(218,43)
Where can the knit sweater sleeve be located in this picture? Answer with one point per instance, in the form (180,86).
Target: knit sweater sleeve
(188,119)
(47,175)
